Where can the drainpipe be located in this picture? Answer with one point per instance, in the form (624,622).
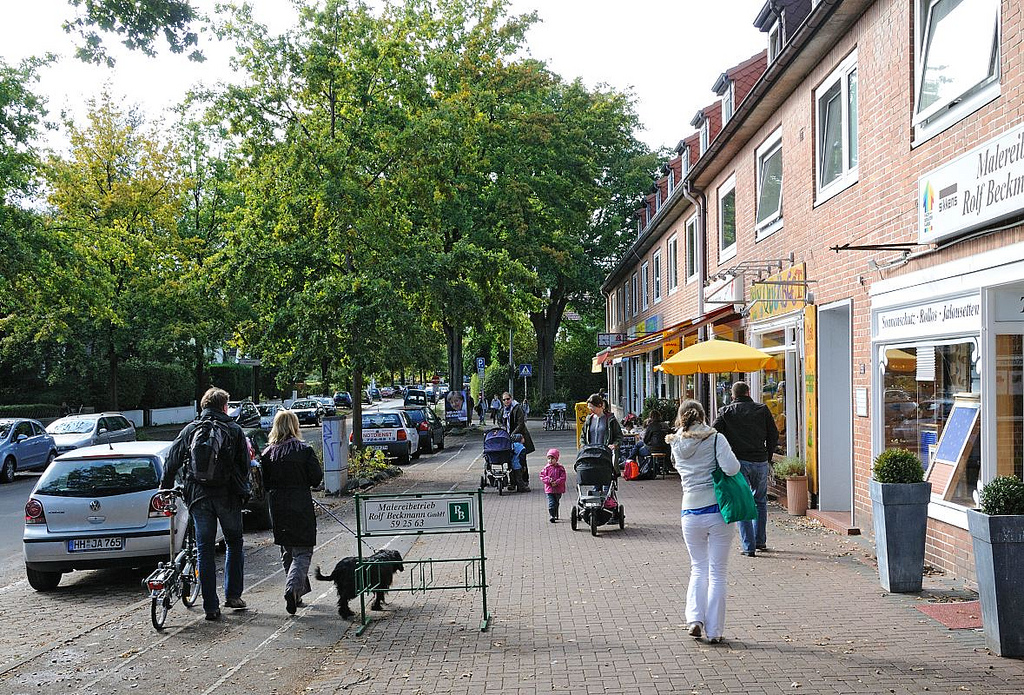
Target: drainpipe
(699,202)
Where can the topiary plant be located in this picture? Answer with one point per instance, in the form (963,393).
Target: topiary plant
(788,466)
(1003,496)
(898,466)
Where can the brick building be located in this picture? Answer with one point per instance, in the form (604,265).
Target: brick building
(852,204)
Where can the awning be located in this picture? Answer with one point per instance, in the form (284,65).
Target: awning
(717,356)
(653,341)
(597,364)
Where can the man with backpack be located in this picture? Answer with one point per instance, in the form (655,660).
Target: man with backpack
(213,457)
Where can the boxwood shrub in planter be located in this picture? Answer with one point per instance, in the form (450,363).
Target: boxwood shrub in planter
(899,507)
(997,532)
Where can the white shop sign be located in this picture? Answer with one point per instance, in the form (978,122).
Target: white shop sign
(947,316)
(454,513)
(982,186)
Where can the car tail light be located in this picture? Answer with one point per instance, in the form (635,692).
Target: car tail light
(402,436)
(160,506)
(423,426)
(34,513)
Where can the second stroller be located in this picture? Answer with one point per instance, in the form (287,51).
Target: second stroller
(596,490)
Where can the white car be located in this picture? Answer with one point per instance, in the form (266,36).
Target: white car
(392,432)
(74,431)
(97,507)
(267,413)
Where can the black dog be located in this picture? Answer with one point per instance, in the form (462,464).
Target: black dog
(344,578)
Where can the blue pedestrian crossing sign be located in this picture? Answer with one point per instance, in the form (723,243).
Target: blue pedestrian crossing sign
(525,370)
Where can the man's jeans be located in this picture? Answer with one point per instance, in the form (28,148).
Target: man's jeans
(752,533)
(205,513)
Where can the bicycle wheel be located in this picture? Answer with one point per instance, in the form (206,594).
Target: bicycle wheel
(158,611)
(190,571)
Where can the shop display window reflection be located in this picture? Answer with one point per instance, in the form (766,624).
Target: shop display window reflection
(920,385)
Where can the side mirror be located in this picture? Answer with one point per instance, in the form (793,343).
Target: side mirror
(21,438)
(103,430)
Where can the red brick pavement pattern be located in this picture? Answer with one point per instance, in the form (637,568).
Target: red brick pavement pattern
(573,613)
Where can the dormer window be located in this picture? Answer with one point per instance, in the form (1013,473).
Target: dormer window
(657,199)
(684,163)
(774,42)
(671,179)
(727,105)
(705,140)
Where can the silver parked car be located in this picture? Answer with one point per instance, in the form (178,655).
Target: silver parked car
(24,446)
(75,431)
(97,507)
(392,432)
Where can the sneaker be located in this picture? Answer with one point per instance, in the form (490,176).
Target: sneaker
(748,553)
(694,629)
(762,547)
(289,602)
(714,640)
(552,520)
(213,615)
(236,603)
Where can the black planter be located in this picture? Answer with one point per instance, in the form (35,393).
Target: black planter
(999,564)
(900,512)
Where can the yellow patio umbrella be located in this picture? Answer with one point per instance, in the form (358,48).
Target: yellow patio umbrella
(717,356)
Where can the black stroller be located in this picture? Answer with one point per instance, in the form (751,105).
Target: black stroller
(497,460)
(594,472)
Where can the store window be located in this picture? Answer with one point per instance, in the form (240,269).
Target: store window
(922,385)
(773,384)
(1009,405)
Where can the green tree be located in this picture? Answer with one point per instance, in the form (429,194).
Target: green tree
(115,204)
(138,23)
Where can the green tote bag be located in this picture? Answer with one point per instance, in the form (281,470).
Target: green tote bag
(735,500)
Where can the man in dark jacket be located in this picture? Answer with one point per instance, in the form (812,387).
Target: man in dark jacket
(514,419)
(750,429)
(208,504)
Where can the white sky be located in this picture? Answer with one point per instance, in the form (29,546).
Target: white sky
(668,51)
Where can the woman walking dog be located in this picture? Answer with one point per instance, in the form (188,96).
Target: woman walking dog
(290,469)
(696,451)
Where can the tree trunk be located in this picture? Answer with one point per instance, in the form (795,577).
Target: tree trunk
(453,334)
(112,360)
(325,368)
(357,407)
(545,326)
(200,364)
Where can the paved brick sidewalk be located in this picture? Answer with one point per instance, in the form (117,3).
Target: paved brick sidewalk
(573,613)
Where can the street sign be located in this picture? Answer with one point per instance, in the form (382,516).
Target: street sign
(610,339)
(401,515)
(525,370)
(435,379)
(252,363)
(480,373)
(572,316)
(480,363)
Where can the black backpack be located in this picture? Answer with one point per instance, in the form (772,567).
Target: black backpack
(209,453)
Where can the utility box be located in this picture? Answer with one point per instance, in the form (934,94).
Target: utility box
(335,437)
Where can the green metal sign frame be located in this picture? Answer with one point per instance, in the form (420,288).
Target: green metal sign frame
(421,514)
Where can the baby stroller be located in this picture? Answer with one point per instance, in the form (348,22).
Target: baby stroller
(497,460)
(594,472)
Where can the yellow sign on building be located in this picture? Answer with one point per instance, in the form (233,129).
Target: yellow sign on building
(779,294)
(670,347)
(811,395)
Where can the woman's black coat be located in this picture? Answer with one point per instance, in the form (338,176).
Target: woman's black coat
(288,479)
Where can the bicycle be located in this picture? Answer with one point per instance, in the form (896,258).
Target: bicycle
(179,577)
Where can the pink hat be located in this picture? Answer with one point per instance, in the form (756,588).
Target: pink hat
(554,453)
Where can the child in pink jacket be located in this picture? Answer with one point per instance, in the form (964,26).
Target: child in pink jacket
(553,477)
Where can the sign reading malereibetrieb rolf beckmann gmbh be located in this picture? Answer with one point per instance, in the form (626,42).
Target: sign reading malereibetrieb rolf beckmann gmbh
(983,186)
(401,514)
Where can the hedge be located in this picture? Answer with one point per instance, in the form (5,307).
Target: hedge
(30,410)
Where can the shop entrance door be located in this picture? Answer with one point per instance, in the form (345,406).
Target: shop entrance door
(835,409)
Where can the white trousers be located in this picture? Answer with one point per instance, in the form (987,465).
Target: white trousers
(709,541)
